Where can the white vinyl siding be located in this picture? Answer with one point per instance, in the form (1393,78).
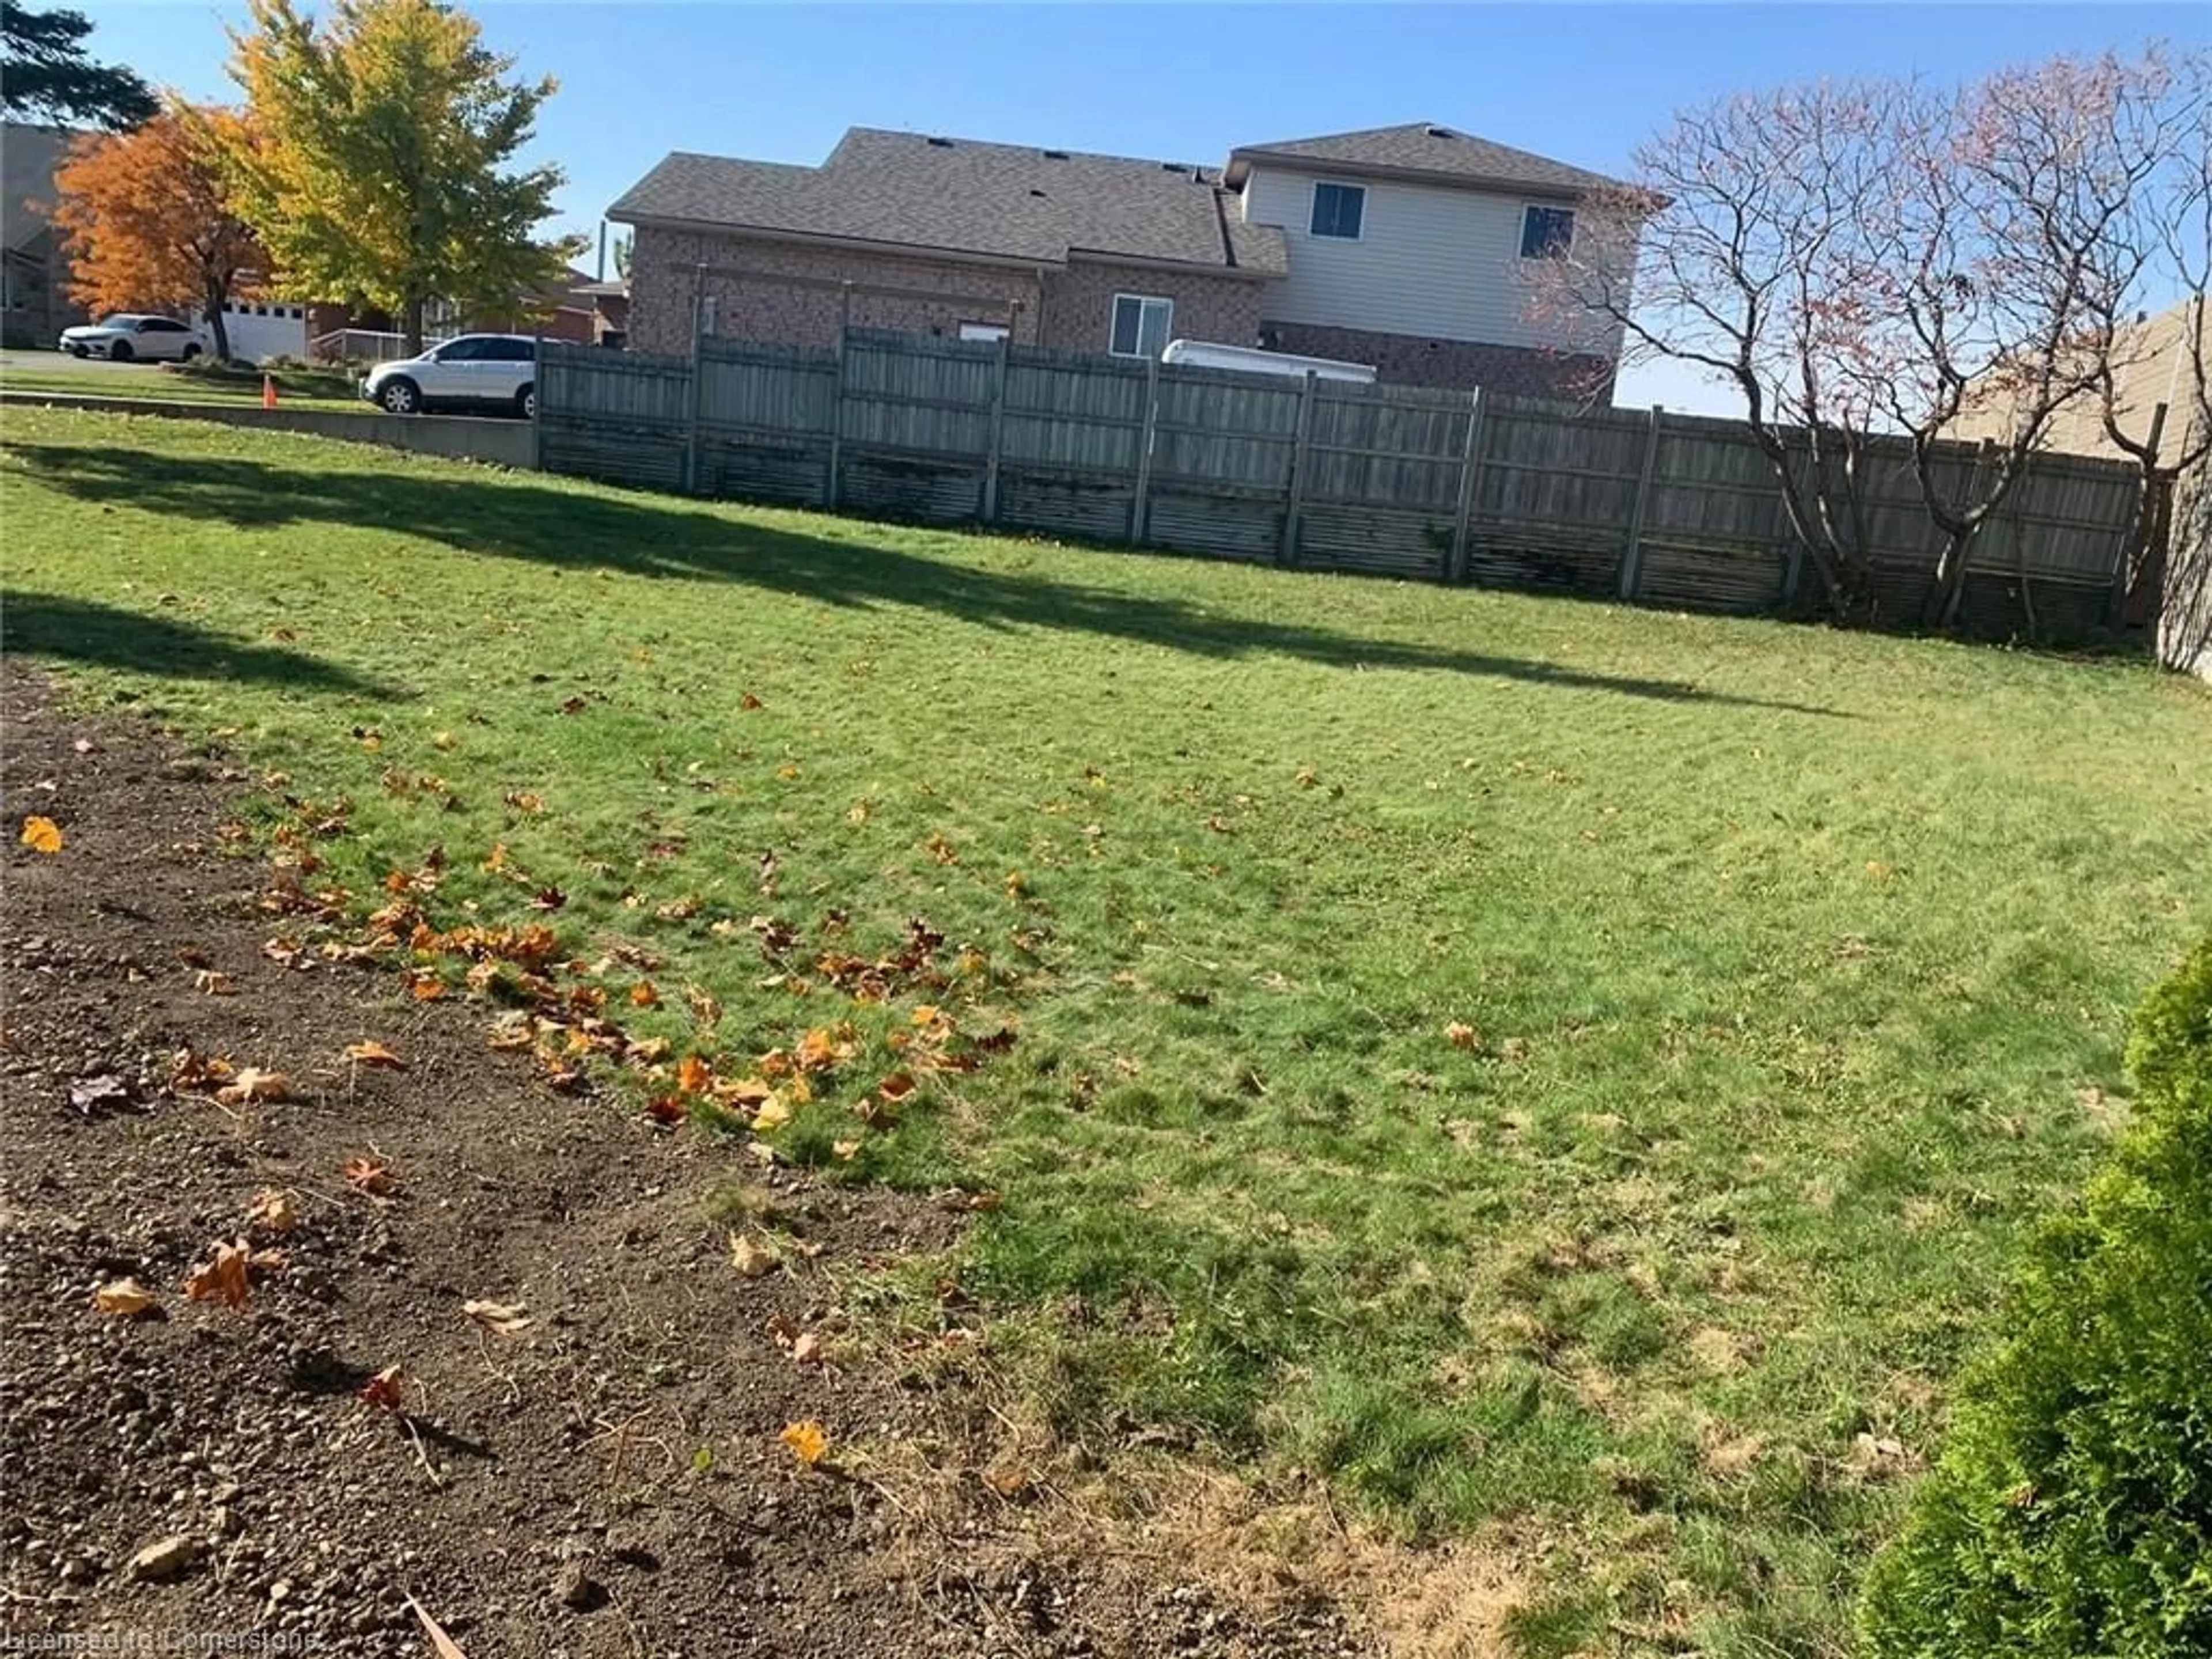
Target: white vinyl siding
(1436,262)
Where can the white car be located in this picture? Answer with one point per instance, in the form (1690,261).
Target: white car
(128,337)
(474,371)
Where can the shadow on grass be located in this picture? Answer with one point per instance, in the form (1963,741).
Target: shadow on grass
(515,516)
(78,630)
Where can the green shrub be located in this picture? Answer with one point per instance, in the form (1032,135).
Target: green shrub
(2070,1515)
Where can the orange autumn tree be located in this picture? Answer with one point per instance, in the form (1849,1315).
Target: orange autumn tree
(148,221)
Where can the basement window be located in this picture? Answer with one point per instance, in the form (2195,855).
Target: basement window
(1142,326)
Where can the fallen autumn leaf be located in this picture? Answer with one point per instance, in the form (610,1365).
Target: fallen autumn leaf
(504,1318)
(223,1278)
(808,1441)
(125,1297)
(253,1083)
(750,1257)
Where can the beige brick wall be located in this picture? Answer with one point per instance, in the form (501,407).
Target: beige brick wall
(1454,365)
(1079,304)
(664,282)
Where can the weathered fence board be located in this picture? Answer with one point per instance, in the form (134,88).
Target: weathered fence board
(1681,510)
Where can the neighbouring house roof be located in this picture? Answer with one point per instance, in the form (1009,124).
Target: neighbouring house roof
(1428,152)
(963,196)
(28,156)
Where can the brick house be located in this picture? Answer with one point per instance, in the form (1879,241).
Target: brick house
(34,265)
(1397,247)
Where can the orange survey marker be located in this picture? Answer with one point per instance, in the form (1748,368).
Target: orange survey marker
(269,391)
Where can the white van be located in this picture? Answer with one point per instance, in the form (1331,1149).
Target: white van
(1201,354)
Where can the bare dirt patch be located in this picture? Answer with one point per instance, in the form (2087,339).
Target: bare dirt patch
(607,1478)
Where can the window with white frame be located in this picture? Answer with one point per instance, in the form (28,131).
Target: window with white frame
(1338,211)
(983,332)
(1142,325)
(1546,232)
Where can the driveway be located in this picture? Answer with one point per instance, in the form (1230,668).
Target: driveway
(96,371)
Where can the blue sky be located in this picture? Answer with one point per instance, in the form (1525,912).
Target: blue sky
(1582,83)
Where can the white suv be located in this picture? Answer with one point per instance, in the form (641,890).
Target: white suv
(476,371)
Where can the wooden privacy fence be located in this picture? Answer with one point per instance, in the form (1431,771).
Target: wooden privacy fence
(1671,510)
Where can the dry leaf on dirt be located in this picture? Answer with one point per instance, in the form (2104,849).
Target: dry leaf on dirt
(214,983)
(750,1256)
(809,1442)
(366,1053)
(272,1208)
(253,1083)
(222,1278)
(366,1175)
(387,1388)
(125,1297)
(504,1318)
(692,1075)
(806,1348)
(1006,1480)
(189,1071)
(41,836)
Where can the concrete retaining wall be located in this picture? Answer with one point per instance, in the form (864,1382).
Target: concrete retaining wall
(462,437)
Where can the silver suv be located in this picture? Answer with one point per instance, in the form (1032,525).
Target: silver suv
(470,371)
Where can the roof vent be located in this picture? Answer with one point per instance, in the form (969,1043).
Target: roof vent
(1037,192)
(940,144)
(1175,166)
(1442,132)
(1055,155)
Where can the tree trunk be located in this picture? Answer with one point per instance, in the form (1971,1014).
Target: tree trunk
(212,303)
(410,324)
(1949,585)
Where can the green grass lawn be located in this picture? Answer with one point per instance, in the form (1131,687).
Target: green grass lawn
(1796,962)
(296,388)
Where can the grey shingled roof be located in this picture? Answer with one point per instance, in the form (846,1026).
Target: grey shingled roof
(1426,147)
(963,196)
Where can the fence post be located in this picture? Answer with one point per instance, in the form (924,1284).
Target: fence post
(1140,505)
(837,424)
(696,390)
(1631,555)
(1288,552)
(1793,572)
(537,396)
(1470,465)
(998,430)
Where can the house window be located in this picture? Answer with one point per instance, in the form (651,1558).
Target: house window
(1338,210)
(985,332)
(1142,325)
(1546,232)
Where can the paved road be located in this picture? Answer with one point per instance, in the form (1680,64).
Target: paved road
(61,361)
